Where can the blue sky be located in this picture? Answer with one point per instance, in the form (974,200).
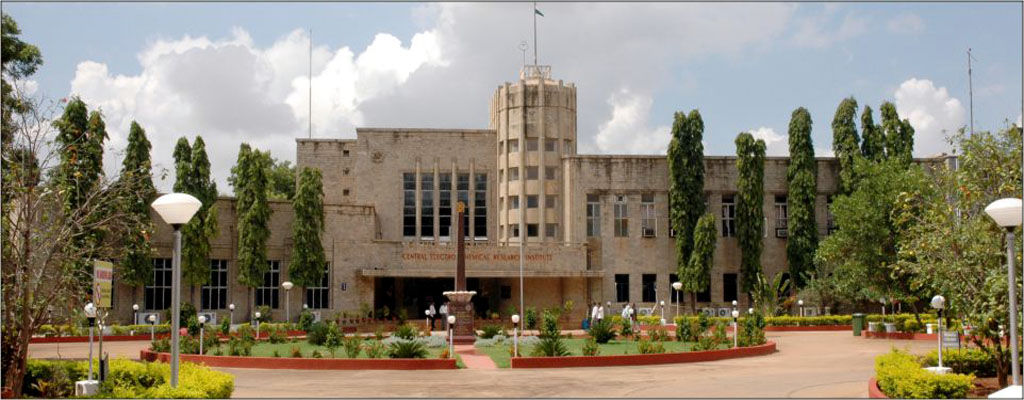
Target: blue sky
(237,72)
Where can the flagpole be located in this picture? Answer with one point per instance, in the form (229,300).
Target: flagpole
(535,33)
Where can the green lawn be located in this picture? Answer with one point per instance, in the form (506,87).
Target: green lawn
(500,354)
(284,350)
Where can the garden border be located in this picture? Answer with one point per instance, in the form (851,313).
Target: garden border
(641,359)
(874,392)
(902,336)
(140,337)
(306,363)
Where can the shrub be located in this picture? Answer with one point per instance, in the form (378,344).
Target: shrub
(276,354)
(490,331)
(530,318)
(127,379)
(374,349)
(602,331)
(265,314)
(161,345)
(649,319)
(590,347)
(306,320)
(407,349)
(658,335)
(379,333)
(965,361)
(333,338)
(752,331)
(437,341)
(240,346)
(246,332)
(625,327)
(406,331)
(316,354)
(225,326)
(352,345)
(277,335)
(316,334)
(550,344)
(644,346)
(900,375)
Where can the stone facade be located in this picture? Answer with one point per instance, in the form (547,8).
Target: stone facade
(387,216)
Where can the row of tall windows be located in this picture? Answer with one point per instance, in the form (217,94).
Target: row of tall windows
(550,230)
(448,193)
(649,288)
(533,145)
(532,173)
(215,292)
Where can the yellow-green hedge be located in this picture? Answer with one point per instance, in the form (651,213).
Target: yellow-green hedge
(129,379)
(901,375)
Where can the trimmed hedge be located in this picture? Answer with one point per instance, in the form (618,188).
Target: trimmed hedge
(964,361)
(901,375)
(48,330)
(127,379)
(904,322)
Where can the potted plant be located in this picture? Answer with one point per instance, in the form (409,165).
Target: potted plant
(890,324)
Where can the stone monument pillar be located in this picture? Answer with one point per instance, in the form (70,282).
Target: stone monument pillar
(460,306)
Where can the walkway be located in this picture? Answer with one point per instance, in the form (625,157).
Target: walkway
(472,359)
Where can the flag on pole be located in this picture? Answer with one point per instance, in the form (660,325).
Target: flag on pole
(535,10)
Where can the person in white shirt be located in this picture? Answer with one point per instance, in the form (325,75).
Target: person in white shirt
(600,313)
(431,312)
(593,314)
(444,315)
(625,312)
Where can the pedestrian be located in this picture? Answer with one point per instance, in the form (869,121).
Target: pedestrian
(600,313)
(432,313)
(593,313)
(444,315)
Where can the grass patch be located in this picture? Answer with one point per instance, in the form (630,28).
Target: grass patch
(501,357)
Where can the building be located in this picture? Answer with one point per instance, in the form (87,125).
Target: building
(596,226)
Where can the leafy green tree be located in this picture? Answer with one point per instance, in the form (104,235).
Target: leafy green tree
(307,266)
(750,206)
(802,179)
(873,146)
(697,274)
(845,143)
(899,135)
(253,213)
(182,165)
(202,228)
(280,177)
(19,60)
(949,245)
(136,268)
(686,182)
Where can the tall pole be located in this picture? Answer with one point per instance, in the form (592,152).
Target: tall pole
(311,83)
(1013,307)
(940,339)
(175,304)
(535,33)
(970,88)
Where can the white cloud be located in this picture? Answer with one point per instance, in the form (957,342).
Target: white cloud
(905,24)
(627,130)
(932,112)
(776,144)
(815,32)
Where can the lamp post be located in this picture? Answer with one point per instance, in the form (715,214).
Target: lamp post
(735,329)
(938,303)
(1007,213)
(750,311)
(231,309)
(662,312)
(135,314)
(257,325)
(882,300)
(152,327)
(677,286)
(451,336)
(176,209)
(515,335)
(202,326)
(801,304)
(287,285)
(90,314)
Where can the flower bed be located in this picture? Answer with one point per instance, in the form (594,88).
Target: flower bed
(901,375)
(126,379)
(307,363)
(642,359)
(900,335)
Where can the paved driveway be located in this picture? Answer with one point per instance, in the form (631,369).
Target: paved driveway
(808,364)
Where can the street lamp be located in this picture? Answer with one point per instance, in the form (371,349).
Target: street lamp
(663,312)
(801,304)
(152,327)
(231,308)
(258,315)
(287,285)
(135,314)
(90,314)
(750,310)
(677,286)
(735,329)
(451,336)
(176,209)
(202,326)
(882,300)
(515,335)
(938,303)
(1007,213)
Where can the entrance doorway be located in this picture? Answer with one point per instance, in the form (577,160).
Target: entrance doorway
(414,295)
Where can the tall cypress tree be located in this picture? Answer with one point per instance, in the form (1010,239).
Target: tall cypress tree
(873,147)
(253,213)
(182,166)
(906,152)
(308,260)
(696,277)
(686,188)
(891,129)
(845,143)
(802,179)
(202,228)
(136,268)
(750,206)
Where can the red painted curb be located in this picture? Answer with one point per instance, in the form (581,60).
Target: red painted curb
(901,335)
(811,328)
(306,363)
(641,359)
(873,391)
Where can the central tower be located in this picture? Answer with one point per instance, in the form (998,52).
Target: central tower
(535,121)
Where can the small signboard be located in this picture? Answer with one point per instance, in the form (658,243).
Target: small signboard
(102,282)
(950,340)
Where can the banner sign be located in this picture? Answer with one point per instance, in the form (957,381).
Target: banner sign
(951,339)
(102,283)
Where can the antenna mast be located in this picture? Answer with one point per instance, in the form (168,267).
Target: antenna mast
(311,83)
(970,88)
(535,33)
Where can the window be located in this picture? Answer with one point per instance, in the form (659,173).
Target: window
(445,206)
(621,217)
(462,194)
(513,203)
(551,230)
(531,173)
(501,146)
(513,174)
(830,219)
(344,192)
(549,145)
(593,215)
(266,295)
(728,216)
(705,295)
(531,145)
(506,292)
(427,205)
(215,292)
(729,287)
(513,145)
(480,203)
(568,145)
(621,288)
(158,295)
(550,173)
(781,217)
(648,288)
(515,230)
(531,230)
(409,205)
(677,295)
(344,153)
(531,201)
(649,223)
(551,200)
(319,297)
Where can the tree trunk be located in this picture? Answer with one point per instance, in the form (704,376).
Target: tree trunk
(693,302)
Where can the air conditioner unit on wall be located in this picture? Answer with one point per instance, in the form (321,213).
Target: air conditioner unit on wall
(211,317)
(724,312)
(781,232)
(316,316)
(811,312)
(144,318)
(708,311)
